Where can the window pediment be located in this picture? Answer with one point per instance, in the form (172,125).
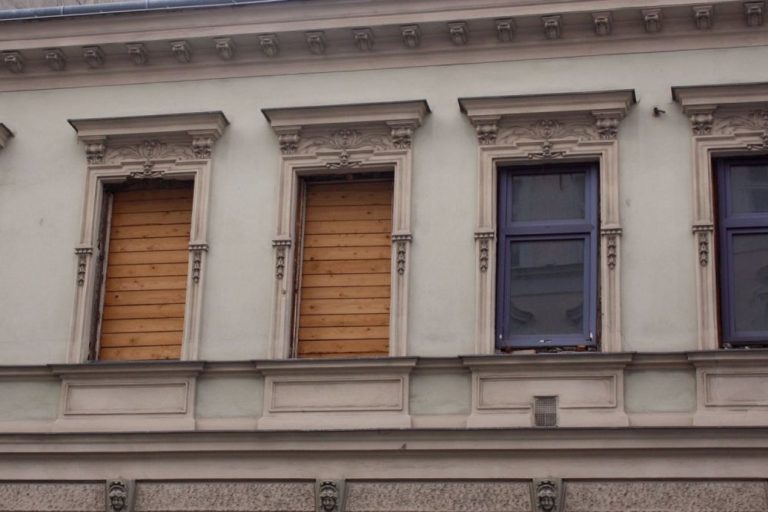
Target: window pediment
(155,138)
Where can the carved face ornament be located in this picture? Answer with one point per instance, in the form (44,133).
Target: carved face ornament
(546,497)
(117,496)
(328,497)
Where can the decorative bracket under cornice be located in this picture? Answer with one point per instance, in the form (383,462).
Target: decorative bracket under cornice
(547,118)
(149,139)
(342,131)
(5,135)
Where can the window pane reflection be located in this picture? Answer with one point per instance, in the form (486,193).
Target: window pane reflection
(546,287)
(750,282)
(548,197)
(749,188)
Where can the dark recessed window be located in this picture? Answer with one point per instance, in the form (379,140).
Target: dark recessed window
(743,244)
(547,256)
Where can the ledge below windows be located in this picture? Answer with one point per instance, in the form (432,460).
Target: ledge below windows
(551,391)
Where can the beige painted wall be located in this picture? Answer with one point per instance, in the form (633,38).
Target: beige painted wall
(42,177)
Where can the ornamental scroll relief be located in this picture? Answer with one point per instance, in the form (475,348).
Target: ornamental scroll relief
(346,147)
(754,121)
(547,132)
(150,152)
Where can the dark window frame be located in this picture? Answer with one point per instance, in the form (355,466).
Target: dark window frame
(587,229)
(728,225)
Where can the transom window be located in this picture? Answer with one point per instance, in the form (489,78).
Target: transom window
(547,256)
(743,243)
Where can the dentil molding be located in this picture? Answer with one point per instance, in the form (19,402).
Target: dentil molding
(341,35)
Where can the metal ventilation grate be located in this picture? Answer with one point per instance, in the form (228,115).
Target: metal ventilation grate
(545,411)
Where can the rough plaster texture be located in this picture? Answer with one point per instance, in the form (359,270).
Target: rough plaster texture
(438,497)
(42,186)
(658,496)
(50,496)
(225,496)
(440,394)
(660,391)
(29,400)
(229,397)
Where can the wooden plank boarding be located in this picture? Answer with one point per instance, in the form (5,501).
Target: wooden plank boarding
(146,273)
(346,253)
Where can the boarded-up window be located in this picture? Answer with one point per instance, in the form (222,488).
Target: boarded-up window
(344,269)
(145,286)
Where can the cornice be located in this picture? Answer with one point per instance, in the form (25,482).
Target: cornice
(5,135)
(570,103)
(209,123)
(713,96)
(405,111)
(337,35)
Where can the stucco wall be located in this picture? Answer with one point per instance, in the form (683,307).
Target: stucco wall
(43,176)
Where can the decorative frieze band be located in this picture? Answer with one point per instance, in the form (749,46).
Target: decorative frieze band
(83,254)
(703,234)
(197,251)
(281,248)
(611,236)
(484,238)
(401,241)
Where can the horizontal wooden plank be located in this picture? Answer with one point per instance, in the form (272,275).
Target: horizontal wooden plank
(177,243)
(158,231)
(154,193)
(347,226)
(349,197)
(367,212)
(143,311)
(143,325)
(145,297)
(342,346)
(348,186)
(368,320)
(341,355)
(150,270)
(323,280)
(152,205)
(140,339)
(343,333)
(147,283)
(153,218)
(140,258)
(346,267)
(344,306)
(347,253)
(348,240)
(140,353)
(346,292)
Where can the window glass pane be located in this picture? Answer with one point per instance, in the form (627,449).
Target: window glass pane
(749,188)
(546,289)
(750,282)
(548,196)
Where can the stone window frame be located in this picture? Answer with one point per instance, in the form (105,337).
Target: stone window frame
(726,120)
(339,139)
(520,130)
(174,146)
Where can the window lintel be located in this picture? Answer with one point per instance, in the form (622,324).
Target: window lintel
(161,125)
(390,112)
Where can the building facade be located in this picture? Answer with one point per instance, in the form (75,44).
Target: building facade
(347,255)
